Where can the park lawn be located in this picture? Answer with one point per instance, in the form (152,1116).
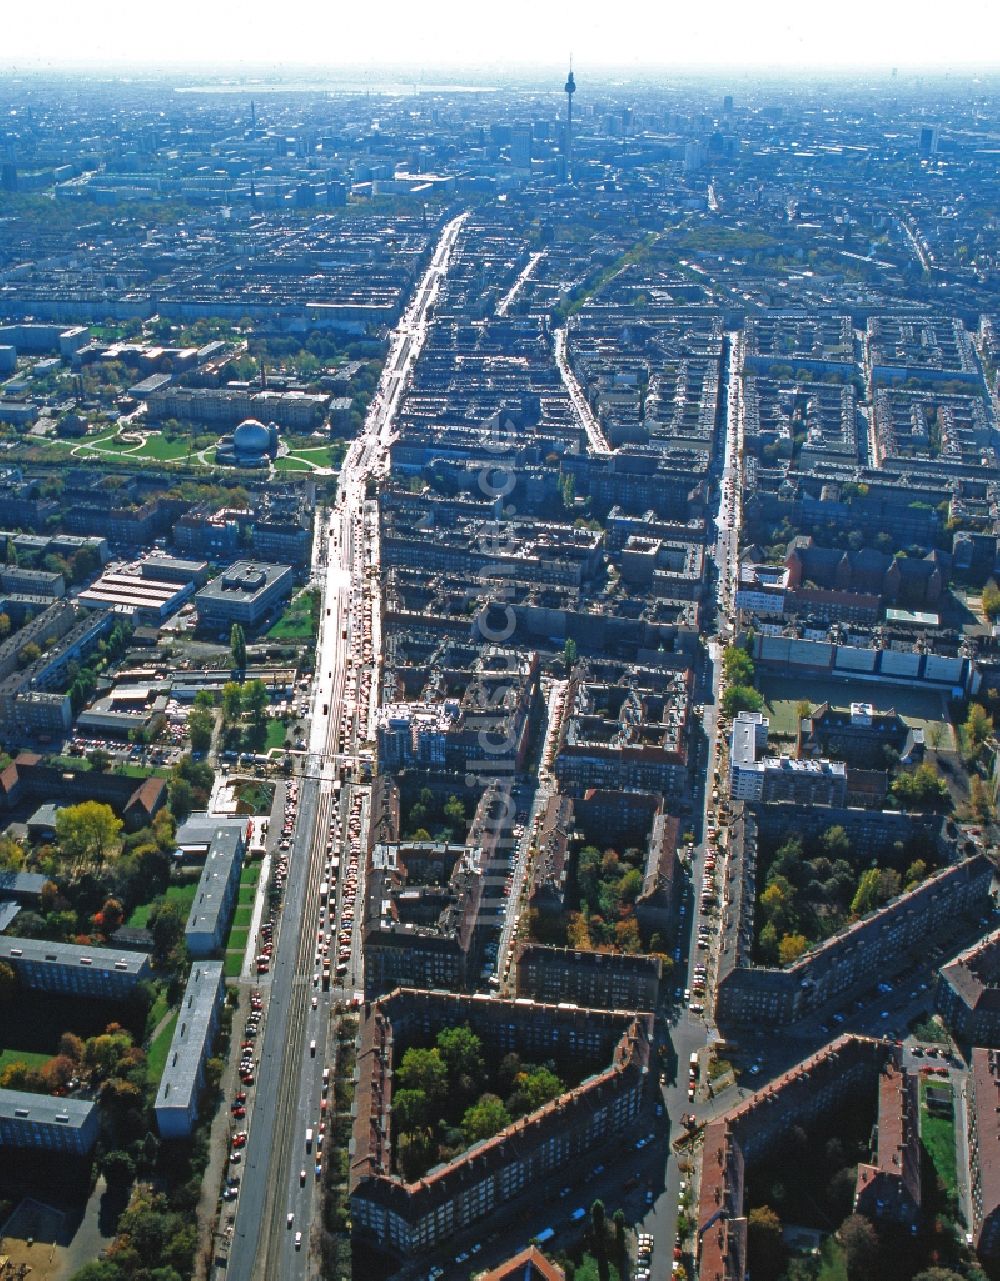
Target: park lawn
(159,1048)
(296,623)
(156,1011)
(938,1135)
(182,895)
(289,463)
(164,450)
(588,1270)
(30,1058)
(275,735)
(237,941)
(833,1266)
(232,965)
(321,456)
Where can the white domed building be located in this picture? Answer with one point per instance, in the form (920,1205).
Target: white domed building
(251,445)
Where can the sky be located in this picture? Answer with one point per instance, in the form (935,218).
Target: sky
(470,33)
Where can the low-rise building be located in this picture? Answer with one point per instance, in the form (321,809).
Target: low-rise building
(176,1104)
(245,593)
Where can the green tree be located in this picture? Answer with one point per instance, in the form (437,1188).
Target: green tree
(979,798)
(920,788)
(88,831)
(181,795)
(166,924)
(5,626)
(100,760)
(741,698)
(538,1087)
(991,600)
(118,1168)
(238,649)
(28,655)
(866,898)
(791,948)
(409,1109)
(423,1070)
(200,724)
(835,843)
(8,983)
(255,701)
(232,702)
(737,665)
(978,727)
(766,1254)
(462,1052)
(205,699)
(861,1248)
(569,654)
(484,1118)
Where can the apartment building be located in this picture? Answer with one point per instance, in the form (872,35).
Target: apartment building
(748,1132)
(218,887)
(983,1110)
(888,1188)
(408,1218)
(46,1123)
(176,1105)
(605,980)
(771,996)
(70,969)
(756,777)
(967,993)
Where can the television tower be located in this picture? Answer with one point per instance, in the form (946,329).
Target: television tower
(570,90)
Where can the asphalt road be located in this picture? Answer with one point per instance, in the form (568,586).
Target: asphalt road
(288,1089)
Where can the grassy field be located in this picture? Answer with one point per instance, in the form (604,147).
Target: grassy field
(243,913)
(156,1055)
(232,965)
(182,895)
(782,694)
(164,450)
(156,1011)
(296,623)
(275,735)
(238,937)
(289,463)
(28,1057)
(938,1135)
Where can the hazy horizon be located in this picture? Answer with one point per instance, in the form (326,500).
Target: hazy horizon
(772,38)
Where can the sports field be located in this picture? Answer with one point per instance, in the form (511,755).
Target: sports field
(922,709)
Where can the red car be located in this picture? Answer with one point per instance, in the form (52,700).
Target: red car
(239,1112)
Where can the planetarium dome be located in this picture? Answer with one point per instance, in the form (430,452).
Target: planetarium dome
(251,437)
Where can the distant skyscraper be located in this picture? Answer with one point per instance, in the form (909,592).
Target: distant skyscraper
(520,147)
(253,114)
(727,105)
(570,90)
(928,141)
